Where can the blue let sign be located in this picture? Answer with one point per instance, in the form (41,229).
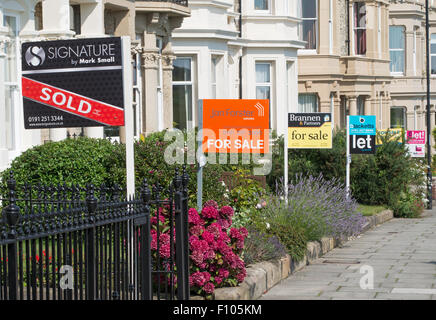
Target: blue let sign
(362,125)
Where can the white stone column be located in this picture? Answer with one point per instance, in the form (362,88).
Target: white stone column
(353,105)
(408,54)
(92,19)
(56,19)
(167,69)
(368,106)
(92,25)
(3,142)
(56,24)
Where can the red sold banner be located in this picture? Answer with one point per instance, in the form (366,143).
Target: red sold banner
(70,102)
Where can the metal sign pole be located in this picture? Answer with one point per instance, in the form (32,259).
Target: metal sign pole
(129,119)
(200,159)
(429,173)
(130,155)
(347,180)
(286,173)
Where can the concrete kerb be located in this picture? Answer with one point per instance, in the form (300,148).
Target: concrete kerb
(261,277)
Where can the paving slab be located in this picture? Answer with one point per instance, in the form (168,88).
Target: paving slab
(401,253)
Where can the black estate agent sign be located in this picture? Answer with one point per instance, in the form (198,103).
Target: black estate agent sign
(73,83)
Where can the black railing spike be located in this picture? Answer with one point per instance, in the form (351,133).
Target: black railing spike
(185,177)
(177,180)
(117,192)
(91,201)
(11,213)
(145,191)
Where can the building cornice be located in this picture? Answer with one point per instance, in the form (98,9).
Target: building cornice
(271,18)
(210,3)
(205,33)
(296,44)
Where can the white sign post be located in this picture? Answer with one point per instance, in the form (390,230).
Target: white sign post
(286,156)
(129,125)
(128,116)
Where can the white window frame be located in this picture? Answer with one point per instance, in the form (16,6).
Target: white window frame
(432,54)
(266,84)
(313,94)
(399,73)
(15,87)
(217,70)
(379,31)
(404,109)
(191,83)
(267,11)
(360,104)
(316,19)
(213,76)
(415,47)
(355,29)
(159,87)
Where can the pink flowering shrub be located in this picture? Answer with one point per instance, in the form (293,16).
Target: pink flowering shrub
(215,247)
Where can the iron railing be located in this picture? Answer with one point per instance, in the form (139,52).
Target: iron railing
(72,243)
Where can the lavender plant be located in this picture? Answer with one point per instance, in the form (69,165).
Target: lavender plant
(260,246)
(319,206)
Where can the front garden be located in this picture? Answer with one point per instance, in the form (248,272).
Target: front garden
(250,220)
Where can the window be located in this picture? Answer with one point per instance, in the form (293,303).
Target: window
(213,71)
(307,103)
(261,5)
(75,24)
(433,53)
(396,49)
(263,82)
(359,11)
(398,117)
(182,93)
(360,106)
(38,16)
(309,16)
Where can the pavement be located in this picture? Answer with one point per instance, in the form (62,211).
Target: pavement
(393,261)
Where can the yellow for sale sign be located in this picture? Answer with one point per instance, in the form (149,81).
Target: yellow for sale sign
(310,131)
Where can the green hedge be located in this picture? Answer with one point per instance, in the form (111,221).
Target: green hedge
(85,160)
(80,161)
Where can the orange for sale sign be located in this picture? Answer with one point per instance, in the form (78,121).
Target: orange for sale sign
(235,126)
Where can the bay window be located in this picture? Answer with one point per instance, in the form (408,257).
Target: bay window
(433,53)
(398,117)
(183,116)
(263,82)
(307,103)
(396,49)
(359,28)
(262,5)
(309,25)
